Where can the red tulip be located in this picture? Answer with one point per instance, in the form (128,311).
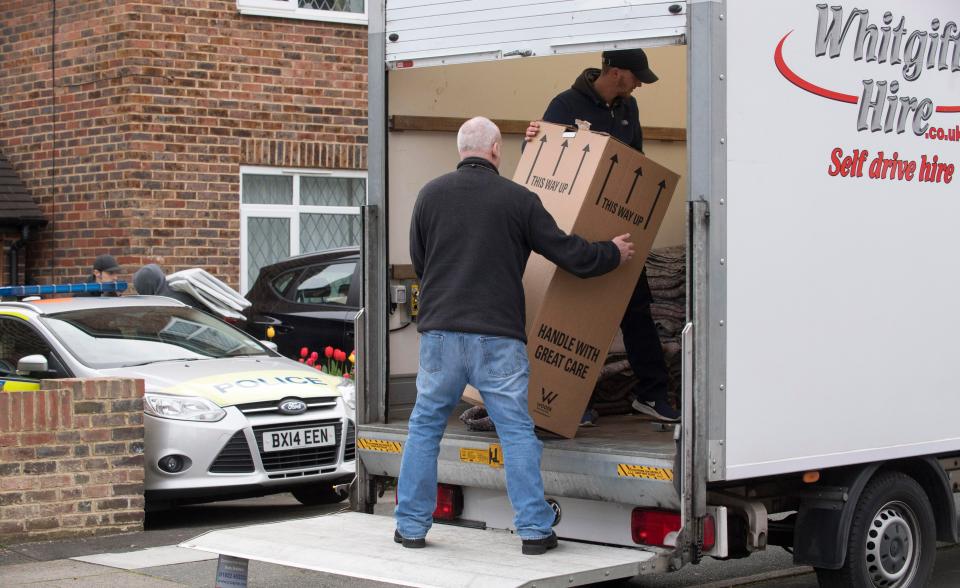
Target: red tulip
(300,360)
(304,351)
(314,356)
(312,360)
(346,376)
(328,352)
(319,367)
(339,355)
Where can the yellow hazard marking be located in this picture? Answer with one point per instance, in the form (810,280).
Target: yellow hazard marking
(379,445)
(625,470)
(491,456)
(19,315)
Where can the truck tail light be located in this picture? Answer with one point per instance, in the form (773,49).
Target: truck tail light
(654,527)
(449,502)
(659,528)
(709,533)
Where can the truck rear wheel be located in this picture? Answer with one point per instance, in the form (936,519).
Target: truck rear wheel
(317,495)
(892,542)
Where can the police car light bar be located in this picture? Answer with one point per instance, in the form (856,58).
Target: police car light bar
(62,289)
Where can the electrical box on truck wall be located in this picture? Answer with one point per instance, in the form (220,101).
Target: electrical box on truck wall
(840,216)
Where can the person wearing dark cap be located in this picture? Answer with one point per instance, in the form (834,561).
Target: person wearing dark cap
(604,98)
(105,269)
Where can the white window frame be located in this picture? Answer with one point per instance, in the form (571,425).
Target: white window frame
(288,211)
(290,9)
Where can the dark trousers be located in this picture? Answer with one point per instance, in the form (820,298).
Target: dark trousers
(642,343)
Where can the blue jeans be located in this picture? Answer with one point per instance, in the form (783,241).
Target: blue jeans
(498,368)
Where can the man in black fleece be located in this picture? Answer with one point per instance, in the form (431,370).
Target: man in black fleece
(151,281)
(604,98)
(471,234)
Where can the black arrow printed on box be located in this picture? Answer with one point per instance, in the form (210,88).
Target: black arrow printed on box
(586,149)
(663,186)
(613,161)
(534,164)
(639,173)
(563,147)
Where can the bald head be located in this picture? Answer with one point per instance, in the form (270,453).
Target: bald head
(479,137)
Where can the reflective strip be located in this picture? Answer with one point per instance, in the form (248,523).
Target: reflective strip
(19,315)
(379,445)
(625,470)
(19,386)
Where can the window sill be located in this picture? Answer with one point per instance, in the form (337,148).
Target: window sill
(307,14)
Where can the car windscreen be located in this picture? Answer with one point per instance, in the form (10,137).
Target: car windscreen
(134,335)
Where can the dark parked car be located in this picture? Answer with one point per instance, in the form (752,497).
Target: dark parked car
(310,300)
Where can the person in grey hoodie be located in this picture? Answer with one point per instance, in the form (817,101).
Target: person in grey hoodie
(151,281)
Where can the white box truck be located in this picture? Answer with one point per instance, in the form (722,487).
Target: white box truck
(820,394)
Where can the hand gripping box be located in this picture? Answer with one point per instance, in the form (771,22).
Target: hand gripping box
(595,187)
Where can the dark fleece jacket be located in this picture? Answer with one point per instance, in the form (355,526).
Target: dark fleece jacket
(151,281)
(619,119)
(471,234)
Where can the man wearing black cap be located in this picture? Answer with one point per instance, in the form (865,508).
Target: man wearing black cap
(604,98)
(105,269)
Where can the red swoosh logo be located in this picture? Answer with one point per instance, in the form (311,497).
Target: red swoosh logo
(823,92)
(804,84)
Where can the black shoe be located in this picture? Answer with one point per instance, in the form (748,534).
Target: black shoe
(410,543)
(539,546)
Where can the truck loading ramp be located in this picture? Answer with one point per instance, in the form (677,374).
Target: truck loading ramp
(356,545)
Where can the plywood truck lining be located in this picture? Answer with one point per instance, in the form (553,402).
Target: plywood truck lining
(451,124)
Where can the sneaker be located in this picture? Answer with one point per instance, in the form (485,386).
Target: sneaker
(409,543)
(539,546)
(589,418)
(658,409)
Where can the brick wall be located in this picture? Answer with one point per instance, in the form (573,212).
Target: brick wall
(71,460)
(129,120)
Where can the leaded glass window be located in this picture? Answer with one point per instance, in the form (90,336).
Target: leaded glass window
(289,212)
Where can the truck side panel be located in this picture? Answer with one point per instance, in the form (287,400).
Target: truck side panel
(841,234)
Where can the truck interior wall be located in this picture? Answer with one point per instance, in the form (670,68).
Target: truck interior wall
(512,90)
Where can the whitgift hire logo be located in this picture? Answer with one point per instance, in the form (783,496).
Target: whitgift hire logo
(885,105)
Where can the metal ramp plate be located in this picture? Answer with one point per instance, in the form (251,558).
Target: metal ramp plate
(358,545)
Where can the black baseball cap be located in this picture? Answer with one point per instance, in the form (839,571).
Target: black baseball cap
(633,59)
(106,263)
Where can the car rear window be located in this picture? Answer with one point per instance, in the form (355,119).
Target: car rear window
(124,336)
(281,282)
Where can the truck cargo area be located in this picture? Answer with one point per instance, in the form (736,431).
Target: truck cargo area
(361,546)
(627,459)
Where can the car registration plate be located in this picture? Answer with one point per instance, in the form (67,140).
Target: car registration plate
(298,438)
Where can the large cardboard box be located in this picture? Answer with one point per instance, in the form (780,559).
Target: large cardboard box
(598,188)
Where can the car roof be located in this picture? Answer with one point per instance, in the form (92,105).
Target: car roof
(306,259)
(55,305)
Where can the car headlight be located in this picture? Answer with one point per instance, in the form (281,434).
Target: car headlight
(182,408)
(348,391)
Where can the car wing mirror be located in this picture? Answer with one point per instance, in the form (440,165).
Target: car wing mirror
(32,364)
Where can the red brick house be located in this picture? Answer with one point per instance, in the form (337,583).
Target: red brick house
(222,134)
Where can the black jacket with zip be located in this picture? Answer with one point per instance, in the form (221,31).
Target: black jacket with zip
(471,234)
(620,119)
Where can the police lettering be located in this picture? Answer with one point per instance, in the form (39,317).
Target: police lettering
(271,381)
